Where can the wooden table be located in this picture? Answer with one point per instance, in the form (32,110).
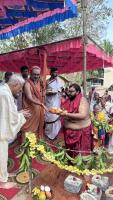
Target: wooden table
(54,177)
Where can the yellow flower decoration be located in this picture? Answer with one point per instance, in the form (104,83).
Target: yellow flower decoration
(36,191)
(34,148)
(32,140)
(101,116)
(71,168)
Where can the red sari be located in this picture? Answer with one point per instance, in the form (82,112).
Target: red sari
(77,141)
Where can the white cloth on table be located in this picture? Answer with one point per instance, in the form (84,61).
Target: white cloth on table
(52,121)
(11,122)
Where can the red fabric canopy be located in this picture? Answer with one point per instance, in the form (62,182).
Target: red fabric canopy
(67,55)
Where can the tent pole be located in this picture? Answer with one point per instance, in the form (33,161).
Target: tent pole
(83,6)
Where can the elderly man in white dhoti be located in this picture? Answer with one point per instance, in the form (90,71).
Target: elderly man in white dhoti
(53,99)
(11,122)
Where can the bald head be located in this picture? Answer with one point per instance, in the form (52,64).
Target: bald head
(35,74)
(35,67)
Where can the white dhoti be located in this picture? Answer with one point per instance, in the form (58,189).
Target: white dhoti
(52,128)
(11,122)
(3,161)
(52,121)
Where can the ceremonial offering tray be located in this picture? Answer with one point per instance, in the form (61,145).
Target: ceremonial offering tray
(92,192)
(43,192)
(72,184)
(100,181)
(55,110)
(22,177)
(109,193)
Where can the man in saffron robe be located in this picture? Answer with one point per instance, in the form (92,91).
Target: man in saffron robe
(77,123)
(32,100)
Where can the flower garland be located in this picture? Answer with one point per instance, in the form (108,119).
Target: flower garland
(33,148)
(71,168)
(32,144)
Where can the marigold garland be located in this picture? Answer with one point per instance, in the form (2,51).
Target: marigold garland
(35,148)
(71,168)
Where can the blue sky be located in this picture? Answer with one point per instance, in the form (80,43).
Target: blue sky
(109,31)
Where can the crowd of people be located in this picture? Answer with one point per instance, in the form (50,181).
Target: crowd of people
(102,105)
(25,105)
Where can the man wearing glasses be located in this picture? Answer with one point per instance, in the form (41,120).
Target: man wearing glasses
(77,123)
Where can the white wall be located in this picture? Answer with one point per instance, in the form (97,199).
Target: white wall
(108,77)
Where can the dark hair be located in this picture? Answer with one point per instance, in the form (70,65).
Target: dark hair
(53,69)
(7,74)
(76,86)
(23,68)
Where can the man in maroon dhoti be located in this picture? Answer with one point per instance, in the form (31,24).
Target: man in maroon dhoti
(77,123)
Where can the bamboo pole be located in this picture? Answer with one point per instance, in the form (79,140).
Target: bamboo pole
(83,6)
(30,177)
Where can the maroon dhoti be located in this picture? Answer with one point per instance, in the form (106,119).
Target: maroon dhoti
(78,141)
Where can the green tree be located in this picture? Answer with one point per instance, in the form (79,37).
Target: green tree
(108,47)
(99,73)
(97,11)
(30,39)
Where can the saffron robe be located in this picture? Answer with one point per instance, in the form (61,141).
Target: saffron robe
(35,122)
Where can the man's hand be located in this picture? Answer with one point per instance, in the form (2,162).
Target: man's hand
(63,113)
(26,113)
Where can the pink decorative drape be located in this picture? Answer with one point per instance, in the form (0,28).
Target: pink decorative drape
(66,55)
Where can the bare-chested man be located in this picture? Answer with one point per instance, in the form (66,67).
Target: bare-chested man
(77,123)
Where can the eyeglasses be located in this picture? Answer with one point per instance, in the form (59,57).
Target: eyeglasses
(72,91)
(36,74)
